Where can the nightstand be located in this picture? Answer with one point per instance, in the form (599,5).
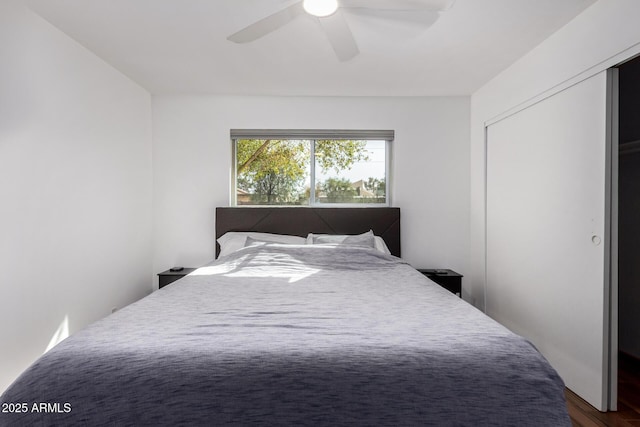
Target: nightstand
(448,279)
(169,276)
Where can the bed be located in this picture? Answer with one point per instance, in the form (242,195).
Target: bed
(294,334)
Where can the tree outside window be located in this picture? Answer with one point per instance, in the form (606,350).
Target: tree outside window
(281,171)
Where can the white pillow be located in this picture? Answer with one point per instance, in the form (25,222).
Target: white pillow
(235,240)
(381,245)
(378,242)
(364,239)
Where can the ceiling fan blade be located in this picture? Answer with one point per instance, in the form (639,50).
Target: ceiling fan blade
(340,36)
(431,5)
(418,18)
(267,25)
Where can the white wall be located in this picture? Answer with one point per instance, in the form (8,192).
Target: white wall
(430,176)
(600,37)
(75,188)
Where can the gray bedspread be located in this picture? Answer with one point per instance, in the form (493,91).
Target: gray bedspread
(299,335)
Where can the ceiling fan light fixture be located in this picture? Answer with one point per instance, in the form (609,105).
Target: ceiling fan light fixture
(320,8)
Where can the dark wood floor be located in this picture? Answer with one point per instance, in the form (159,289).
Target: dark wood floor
(584,415)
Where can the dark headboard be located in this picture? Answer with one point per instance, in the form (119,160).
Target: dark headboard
(300,221)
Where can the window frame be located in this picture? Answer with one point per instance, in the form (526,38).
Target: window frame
(313,135)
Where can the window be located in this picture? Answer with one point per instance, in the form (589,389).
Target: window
(311,167)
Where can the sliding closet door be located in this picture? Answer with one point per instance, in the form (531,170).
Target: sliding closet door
(548,231)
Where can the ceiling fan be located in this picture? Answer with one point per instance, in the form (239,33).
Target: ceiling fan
(329,13)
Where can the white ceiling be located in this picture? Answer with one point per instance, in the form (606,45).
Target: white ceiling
(180,46)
